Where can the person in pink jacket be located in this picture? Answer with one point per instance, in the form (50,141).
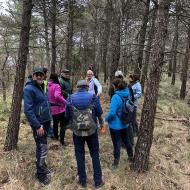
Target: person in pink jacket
(58,107)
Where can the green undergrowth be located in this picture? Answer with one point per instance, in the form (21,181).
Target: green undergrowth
(169,101)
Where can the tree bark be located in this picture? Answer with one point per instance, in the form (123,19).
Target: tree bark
(69,43)
(185,66)
(148,51)
(53,35)
(105,40)
(115,40)
(144,142)
(175,45)
(142,35)
(4,77)
(45,17)
(171,58)
(14,120)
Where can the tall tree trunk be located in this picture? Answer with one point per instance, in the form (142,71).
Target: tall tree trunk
(4,77)
(53,35)
(115,37)
(148,51)
(144,142)
(142,35)
(171,58)
(176,36)
(14,120)
(85,45)
(105,40)
(45,17)
(185,66)
(69,41)
(3,71)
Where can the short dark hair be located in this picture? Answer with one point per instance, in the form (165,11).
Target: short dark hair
(119,84)
(45,70)
(136,77)
(54,78)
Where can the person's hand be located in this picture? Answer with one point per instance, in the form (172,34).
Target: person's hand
(40,131)
(98,94)
(103,129)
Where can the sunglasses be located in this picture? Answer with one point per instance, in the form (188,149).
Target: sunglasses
(39,74)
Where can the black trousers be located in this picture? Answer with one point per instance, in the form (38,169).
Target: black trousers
(59,119)
(117,136)
(41,149)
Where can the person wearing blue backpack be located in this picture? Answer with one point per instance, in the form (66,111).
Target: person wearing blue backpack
(118,128)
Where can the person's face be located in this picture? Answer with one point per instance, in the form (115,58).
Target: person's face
(46,75)
(38,77)
(130,79)
(66,75)
(89,75)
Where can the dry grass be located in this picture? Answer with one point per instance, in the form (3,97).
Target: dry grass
(169,159)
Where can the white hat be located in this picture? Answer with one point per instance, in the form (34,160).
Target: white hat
(118,73)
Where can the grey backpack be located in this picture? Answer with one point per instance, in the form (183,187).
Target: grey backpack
(82,122)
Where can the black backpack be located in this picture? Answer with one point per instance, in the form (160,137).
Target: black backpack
(127,108)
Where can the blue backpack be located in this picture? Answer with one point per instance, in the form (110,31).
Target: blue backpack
(127,108)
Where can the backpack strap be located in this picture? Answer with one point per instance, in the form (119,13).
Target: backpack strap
(131,93)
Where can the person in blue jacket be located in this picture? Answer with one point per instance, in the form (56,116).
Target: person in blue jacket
(82,99)
(37,111)
(118,130)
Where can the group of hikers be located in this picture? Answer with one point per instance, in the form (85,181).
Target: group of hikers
(53,99)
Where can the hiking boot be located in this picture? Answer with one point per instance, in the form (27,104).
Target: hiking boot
(49,171)
(97,186)
(115,164)
(43,179)
(83,185)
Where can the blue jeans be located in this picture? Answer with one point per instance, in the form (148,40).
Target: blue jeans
(117,136)
(93,145)
(41,149)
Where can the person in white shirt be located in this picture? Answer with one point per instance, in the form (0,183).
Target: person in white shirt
(94,85)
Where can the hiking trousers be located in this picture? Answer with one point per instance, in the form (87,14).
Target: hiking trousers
(117,136)
(59,119)
(93,145)
(134,122)
(41,149)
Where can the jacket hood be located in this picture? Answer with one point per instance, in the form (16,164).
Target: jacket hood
(123,92)
(30,81)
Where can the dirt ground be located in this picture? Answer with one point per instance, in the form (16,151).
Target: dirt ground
(169,159)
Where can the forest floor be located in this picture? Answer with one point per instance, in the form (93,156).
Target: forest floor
(169,157)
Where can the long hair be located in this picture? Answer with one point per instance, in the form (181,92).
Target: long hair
(54,78)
